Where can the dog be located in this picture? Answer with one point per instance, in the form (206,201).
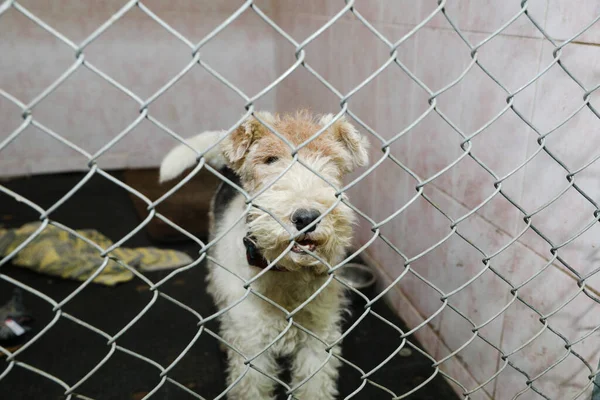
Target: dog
(295,222)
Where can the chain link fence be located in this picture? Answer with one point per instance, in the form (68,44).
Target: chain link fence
(13,359)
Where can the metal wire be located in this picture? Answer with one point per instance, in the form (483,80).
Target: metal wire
(456,225)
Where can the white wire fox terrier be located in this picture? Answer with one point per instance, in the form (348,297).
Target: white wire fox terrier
(253,157)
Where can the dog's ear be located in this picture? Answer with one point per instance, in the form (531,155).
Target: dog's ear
(236,144)
(355,143)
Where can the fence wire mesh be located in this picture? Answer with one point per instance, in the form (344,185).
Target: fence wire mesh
(13,359)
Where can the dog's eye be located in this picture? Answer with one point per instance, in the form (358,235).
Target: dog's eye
(271,159)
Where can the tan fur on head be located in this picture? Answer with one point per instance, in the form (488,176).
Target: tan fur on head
(259,157)
(248,147)
(340,143)
(355,143)
(236,145)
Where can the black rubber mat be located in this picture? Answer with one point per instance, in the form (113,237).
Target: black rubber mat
(69,351)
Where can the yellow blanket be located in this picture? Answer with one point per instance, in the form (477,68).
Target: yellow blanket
(57,253)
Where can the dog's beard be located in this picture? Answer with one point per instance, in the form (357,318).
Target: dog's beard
(327,243)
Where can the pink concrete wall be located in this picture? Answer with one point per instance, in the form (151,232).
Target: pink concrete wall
(138,53)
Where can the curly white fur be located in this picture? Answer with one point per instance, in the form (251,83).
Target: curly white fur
(250,326)
(183,157)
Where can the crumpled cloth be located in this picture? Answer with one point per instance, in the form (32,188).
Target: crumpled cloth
(58,253)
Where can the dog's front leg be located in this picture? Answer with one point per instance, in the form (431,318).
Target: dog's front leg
(308,359)
(253,385)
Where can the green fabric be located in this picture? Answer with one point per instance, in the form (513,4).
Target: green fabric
(58,253)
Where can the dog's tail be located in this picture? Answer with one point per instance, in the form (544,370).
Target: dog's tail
(182,157)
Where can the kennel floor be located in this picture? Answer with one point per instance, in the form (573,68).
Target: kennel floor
(69,351)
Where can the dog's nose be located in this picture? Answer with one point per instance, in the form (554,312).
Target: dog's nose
(303,217)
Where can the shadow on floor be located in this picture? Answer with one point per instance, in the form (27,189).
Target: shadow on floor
(69,351)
